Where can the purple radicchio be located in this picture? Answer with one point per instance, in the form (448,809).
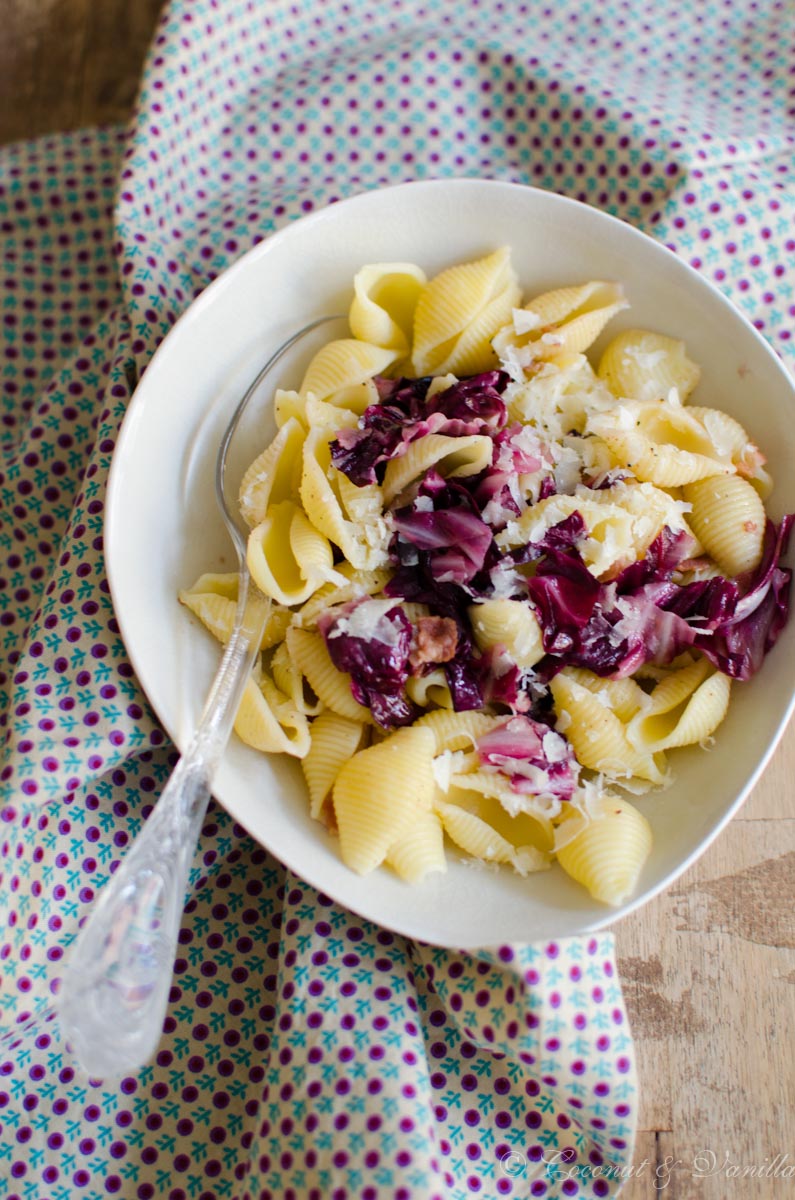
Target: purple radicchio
(644,616)
(370,640)
(405,413)
(536,759)
(738,645)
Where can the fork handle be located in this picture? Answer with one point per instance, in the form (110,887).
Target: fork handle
(115,992)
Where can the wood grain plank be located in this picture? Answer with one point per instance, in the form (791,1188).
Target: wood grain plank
(640,1181)
(67,63)
(106,88)
(709,978)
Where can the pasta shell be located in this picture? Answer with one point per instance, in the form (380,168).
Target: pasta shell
(453,302)
(429,689)
(287,406)
(213,598)
(568,303)
(473,835)
(356,399)
(609,542)
(360,503)
(561,323)
(597,735)
(344,364)
(288,558)
(728,518)
(642,365)
(379,793)
(685,709)
(520,829)
(622,696)
(608,855)
(420,850)
(457,730)
(359,583)
(660,443)
(334,740)
(473,351)
(267,721)
(385,297)
(333,687)
(511,624)
(449,455)
(273,476)
(289,680)
(363,543)
(476,837)
(729,437)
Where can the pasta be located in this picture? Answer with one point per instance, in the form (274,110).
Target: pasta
(508,583)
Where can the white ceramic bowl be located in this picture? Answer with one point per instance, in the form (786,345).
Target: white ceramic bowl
(163,529)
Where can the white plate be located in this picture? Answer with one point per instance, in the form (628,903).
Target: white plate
(162,527)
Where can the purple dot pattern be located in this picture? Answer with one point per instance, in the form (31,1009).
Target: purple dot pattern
(306,1053)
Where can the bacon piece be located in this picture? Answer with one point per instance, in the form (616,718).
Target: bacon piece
(436,641)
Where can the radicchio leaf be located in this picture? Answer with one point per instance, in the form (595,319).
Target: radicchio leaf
(537,760)
(385,430)
(738,645)
(374,651)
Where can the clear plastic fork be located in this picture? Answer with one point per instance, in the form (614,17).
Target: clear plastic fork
(114,994)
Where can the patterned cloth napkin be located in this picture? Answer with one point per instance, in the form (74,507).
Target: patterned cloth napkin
(306,1053)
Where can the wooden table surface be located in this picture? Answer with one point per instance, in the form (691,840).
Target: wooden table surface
(709,967)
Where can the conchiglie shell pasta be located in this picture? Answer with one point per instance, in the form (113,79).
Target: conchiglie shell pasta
(685,709)
(609,539)
(363,543)
(268,721)
(729,437)
(356,399)
(642,365)
(364,503)
(290,681)
(333,687)
(476,297)
(344,364)
(473,835)
(728,518)
(384,300)
(568,303)
(288,558)
(457,730)
(651,509)
(429,689)
(379,793)
(449,455)
(520,829)
(660,443)
(289,405)
(561,323)
(598,737)
(624,697)
(421,849)
(473,351)
(273,476)
(334,742)
(213,599)
(509,623)
(358,584)
(608,855)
